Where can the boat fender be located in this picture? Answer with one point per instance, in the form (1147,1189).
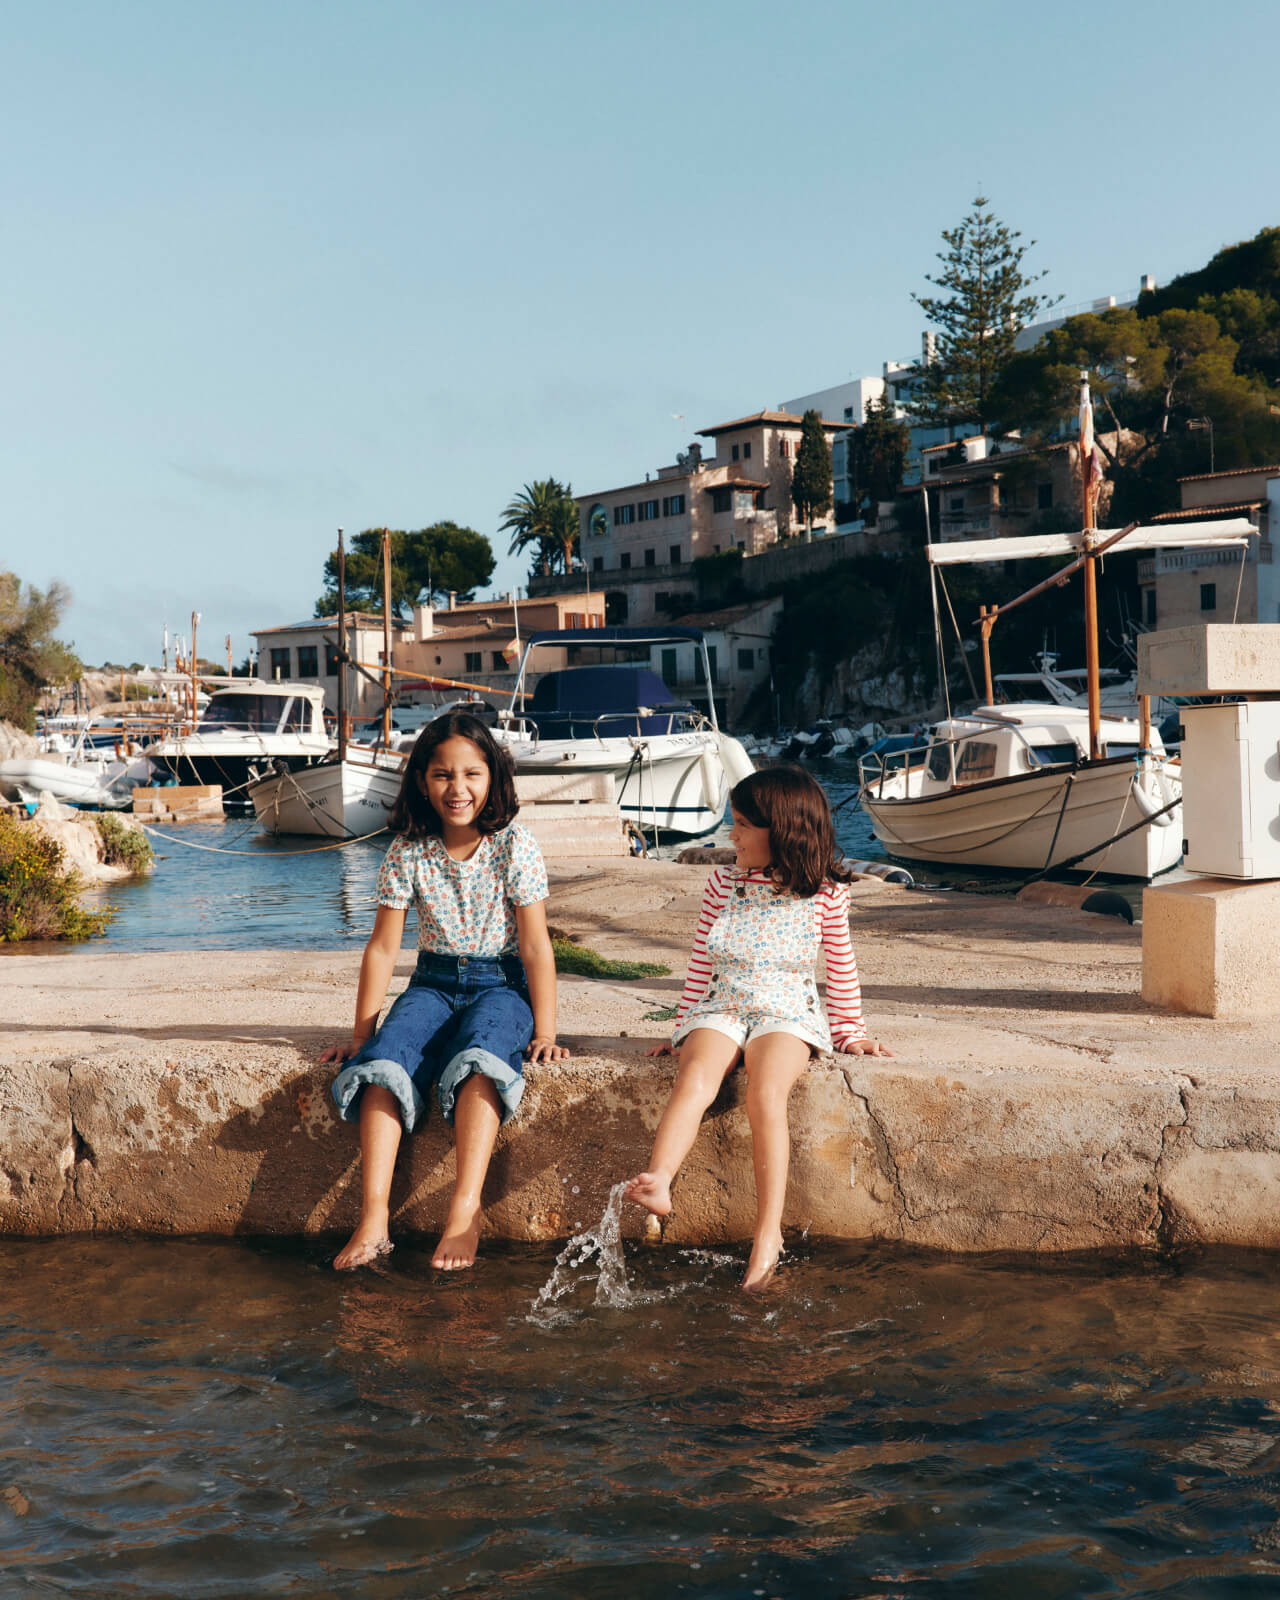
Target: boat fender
(880,869)
(1149,804)
(734,759)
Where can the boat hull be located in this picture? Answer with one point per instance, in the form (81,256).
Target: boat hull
(95,783)
(669,783)
(232,765)
(1036,821)
(331,799)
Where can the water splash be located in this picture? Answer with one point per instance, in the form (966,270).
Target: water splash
(603,1243)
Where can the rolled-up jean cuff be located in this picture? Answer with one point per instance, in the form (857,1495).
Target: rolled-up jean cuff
(389,1075)
(509,1084)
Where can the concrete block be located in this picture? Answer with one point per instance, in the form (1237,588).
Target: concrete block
(1209,947)
(1210,658)
(537,788)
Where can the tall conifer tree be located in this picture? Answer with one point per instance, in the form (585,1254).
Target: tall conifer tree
(811,479)
(986,299)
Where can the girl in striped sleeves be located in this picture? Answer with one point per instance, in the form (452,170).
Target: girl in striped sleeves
(751,994)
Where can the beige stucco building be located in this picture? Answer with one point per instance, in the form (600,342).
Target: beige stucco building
(638,540)
(983,488)
(1182,587)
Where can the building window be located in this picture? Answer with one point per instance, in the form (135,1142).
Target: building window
(625,560)
(744,502)
(669,674)
(597,563)
(499,661)
(661,600)
(331,661)
(675,555)
(746,451)
(673,505)
(597,520)
(648,510)
(650,558)
(957,502)
(280,663)
(474,658)
(1151,608)
(1208,597)
(848,413)
(1044,496)
(307,663)
(746,659)
(575,619)
(784,449)
(622,515)
(721,499)
(735,452)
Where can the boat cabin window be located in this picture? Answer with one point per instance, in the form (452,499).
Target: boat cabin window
(976,760)
(940,762)
(1122,749)
(295,717)
(1053,755)
(253,713)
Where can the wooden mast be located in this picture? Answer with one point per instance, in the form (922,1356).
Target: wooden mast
(1090,572)
(342,649)
(386,637)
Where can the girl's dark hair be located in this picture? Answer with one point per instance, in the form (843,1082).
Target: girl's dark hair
(802,837)
(415,817)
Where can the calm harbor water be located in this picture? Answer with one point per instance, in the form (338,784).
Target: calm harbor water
(233,1419)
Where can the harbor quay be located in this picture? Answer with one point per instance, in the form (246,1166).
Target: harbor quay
(1035,1101)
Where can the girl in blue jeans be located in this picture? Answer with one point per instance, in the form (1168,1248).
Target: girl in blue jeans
(483,997)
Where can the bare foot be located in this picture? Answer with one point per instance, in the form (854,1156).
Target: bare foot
(366,1244)
(763,1263)
(459,1241)
(652,1190)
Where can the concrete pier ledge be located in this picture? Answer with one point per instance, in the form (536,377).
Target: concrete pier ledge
(1036,1101)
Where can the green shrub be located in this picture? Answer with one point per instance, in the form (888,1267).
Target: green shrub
(587,963)
(37,897)
(123,846)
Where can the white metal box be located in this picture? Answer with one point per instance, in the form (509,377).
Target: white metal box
(1231,789)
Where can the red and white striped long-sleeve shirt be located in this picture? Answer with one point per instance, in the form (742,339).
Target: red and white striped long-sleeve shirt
(830,926)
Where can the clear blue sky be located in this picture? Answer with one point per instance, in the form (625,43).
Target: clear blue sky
(273,268)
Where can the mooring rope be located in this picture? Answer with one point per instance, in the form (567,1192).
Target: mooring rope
(221,850)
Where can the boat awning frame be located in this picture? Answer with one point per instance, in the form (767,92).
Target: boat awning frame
(1233,531)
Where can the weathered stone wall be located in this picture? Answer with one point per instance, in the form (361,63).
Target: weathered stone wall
(242,1139)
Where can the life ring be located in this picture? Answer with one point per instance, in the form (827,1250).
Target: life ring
(1151,805)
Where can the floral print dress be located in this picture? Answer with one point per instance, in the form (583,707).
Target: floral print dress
(755,956)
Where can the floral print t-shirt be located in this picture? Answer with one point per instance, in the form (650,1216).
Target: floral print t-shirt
(465,908)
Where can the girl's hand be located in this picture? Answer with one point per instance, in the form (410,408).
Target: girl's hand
(662,1050)
(336,1054)
(541,1048)
(863,1047)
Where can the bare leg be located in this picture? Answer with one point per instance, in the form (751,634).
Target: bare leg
(476,1116)
(706,1058)
(379,1141)
(774,1062)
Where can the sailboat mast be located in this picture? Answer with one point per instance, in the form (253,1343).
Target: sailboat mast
(1090,572)
(342,649)
(386,637)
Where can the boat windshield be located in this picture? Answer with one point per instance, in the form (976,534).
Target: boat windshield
(250,713)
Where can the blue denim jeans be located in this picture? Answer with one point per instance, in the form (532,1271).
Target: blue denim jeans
(459,1015)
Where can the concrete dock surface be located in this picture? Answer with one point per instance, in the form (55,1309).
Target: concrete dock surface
(1035,1101)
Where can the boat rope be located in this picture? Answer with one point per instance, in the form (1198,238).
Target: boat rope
(1143,822)
(221,850)
(996,838)
(1235,609)
(1057,827)
(964,654)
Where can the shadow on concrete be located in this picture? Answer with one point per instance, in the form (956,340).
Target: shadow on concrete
(926,996)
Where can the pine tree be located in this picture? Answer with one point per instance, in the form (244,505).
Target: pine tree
(811,479)
(987,299)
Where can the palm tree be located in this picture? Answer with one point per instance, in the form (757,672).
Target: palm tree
(544,515)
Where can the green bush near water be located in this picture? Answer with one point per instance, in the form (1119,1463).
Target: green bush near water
(123,846)
(37,894)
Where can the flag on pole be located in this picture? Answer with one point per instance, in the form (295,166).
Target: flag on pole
(511,650)
(1090,459)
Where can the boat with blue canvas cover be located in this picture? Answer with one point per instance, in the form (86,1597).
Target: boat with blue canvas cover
(672,766)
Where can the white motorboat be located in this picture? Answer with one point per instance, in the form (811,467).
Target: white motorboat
(1013,786)
(672,766)
(334,799)
(1068,686)
(253,725)
(96,781)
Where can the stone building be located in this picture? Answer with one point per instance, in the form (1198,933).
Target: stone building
(1182,587)
(985,488)
(638,540)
